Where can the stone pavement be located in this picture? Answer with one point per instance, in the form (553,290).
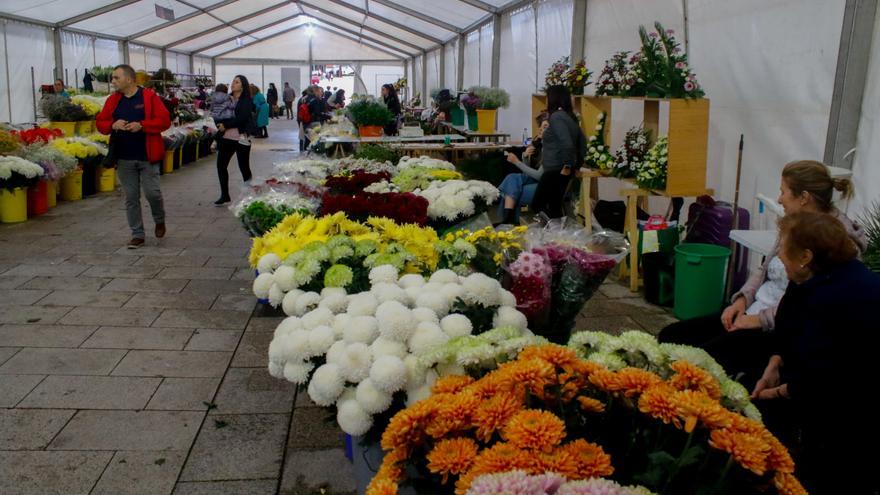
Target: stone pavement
(144,372)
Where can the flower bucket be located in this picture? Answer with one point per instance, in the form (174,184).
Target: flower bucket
(90,177)
(68,128)
(106,180)
(472,120)
(457,116)
(52,193)
(196,155)
(71,186)
(168,163)
(13,205)
(178,158)
(85,127)
(370,131)
(37,199)
(486,121)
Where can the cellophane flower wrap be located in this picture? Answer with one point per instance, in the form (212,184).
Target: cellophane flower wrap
(531,278)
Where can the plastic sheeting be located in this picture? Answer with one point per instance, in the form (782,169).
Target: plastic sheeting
(417,84)
(433,68)
(374,76)
(866,164)
(451,67)
(471,59)
(27,46)
(107,52)
(202,65)
(486,37)
(518,64)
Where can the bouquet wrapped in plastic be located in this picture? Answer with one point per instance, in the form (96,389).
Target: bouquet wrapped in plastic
(531,278)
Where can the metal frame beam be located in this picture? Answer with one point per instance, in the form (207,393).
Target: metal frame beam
(289,30)
(482,6)
(418,15)
(459,74)
(364,27)
(442,67)
(249,33)
(223,25)
(279,61)
(180,19)
(578,30)
(94,13)
(206,12)
(496,51)
(388,21)
(395,50)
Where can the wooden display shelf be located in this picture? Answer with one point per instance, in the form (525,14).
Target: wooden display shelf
(589,108)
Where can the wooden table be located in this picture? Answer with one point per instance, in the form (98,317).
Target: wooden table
(452,153)
(477,137)
(337,142)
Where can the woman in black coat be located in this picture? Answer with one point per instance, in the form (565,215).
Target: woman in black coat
(235,139)
(272,99)
(389,96)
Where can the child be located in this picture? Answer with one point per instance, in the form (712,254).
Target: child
(222,107)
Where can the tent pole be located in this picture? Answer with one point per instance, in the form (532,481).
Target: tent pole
(9,86)
(33,94)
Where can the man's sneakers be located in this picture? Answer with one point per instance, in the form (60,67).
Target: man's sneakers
(222,201)
(160,230)
(135,243)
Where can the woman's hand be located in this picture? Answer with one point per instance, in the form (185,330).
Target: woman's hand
(732,312)
(221,127)
(767,386)
(512,158)
(780,392)
(528,152)
(746,322)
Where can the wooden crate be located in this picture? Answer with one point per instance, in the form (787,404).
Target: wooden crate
(589,108)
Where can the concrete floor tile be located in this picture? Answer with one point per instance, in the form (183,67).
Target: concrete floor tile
(30,429)
(145,285)
(235,302)
(13,388)
(163,261)
(198,318)
(140,473)
(51,473)
(47,270)
(196,273)
(184,364)
(253,350)
(217,287)
(228,262)
(132,317)
(317,471)
(129,430)
(13,282)
(66,283)
(45,335)
(314,428)
(170,301)
(40,361)
(85,299)
(103,259)
(184,394)
(205,339)
(247,487)
(21,297)
(253,390)
(91,392)
(138,338)
(7,352)
(32,314)
(115,271)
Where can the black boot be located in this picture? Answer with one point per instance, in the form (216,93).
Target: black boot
(508,218)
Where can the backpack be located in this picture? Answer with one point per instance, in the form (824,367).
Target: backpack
(303,114)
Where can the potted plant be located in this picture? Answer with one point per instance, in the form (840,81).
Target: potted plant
(369,115)
(491,99)
(62,113)
(16,176)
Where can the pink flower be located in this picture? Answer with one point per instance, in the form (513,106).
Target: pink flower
(689,86)
(670,32)
(654,35)
(516,483)
(680,65)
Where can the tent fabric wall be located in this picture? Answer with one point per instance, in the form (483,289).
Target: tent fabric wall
(5,95)
(417,85)
(107,52)
(374,76)
(866,163)
(154,59)
(78,52)
(472,59)
(137,56)
(517,75)
(433,68)
(27,46)
(451,68)
(486,37)
(554,21)
(202,65)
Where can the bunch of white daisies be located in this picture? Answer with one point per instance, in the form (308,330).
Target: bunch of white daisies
(424,161)
(454,199)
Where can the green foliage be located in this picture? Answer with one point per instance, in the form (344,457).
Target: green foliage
(102,74)
(870,220)
(491,98)
(377,152)
(368,111)
(259,217)
(59,109)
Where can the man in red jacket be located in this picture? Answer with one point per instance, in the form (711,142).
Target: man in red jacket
(135,118)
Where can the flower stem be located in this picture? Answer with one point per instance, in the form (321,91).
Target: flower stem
(677,465)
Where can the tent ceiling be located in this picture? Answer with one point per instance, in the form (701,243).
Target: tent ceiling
(212,27)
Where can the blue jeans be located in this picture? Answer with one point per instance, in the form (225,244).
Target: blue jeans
(521,188)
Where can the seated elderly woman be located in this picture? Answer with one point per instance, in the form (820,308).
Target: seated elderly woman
(734,336)
(518,189)
(821,357)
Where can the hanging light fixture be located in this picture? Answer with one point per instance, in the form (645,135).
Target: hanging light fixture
(310,30)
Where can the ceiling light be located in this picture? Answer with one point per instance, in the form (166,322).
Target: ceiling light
(310,30)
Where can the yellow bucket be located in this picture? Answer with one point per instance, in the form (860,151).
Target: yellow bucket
(13,205)
(486,121)
(196,156)
(68,128)
(106,179)
(85,127)
(52,193)
(72,186)
(168,164)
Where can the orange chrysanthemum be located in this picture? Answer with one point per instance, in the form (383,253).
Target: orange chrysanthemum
(634,381)
(534,429)
(451,384)
(453,415)
(749,451)
(493,414)
(452,456)
(604,380)
(501,457)
(583,368)
(381,486)
(556,355)
(657,403)
(690,377)
(787,484)
(487,387)
(779,459)
(532,374)
(392,467)
(407,427)
(592,461)
(697,407)
(589,404)
(558,461)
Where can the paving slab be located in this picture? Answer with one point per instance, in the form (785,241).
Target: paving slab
(235,302)
(186,364)
(196,273)
(138,338)
(21,297)
(124,271)
(317,471)
(140,473)
(30,429)
(163,261)
(170,301)
(247,487)
(45,335)
(314,428)
(85,299)
(32,314)
(129,430)
(91,392)
(198,318)
(184,394)
(103,259)
(42,361)
(13,282)
(253,350)
(13,388)
(217,287)
(48,270)
(253,390)
(132,317)
(213,340)
(229,262)
(145,285)
(7,352)
(51,473)
(66,283)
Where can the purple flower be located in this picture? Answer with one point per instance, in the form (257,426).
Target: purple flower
(689,86)
(680,65)
(670,32)
(516,483)
(654,35)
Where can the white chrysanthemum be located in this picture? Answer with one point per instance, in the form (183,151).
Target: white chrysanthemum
(734,395)
(363,304)
(385,347)
(425,314)
(336,303)
(362,329)
(476,353)
(320,340)
(262,285)
(413,293)
(326,385)
(416,394)
(432,287)
(415,372)
(276,295)
(305,303)
(355,362)
(610,361)
(268,263)
(331,291)
(506,298)
(444,276)
(396,321)
(284,277)
(385,292)
(297,371)
(752,412)
(456,325)
(426,336)
(696,356)
(437,302)
(452,291)
(437,354)
(481,289)
(317,317)
(340,323)
(446,369)
(411,280)
(371,398)
(352,418)
(350,393)
(388,373)
(383,273)
(276,349)
(276,369)
(510,317)
(295,346)
(500,334)
(514,346)
(640,347)
(288,325)
(335,352)
(585,343)
(288,304)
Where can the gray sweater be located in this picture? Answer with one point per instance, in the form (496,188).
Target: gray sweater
(564,142)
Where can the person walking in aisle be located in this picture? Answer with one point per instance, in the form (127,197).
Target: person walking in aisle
(235,138)
(87,82)
(272,99)
(262,109)
(135,118)
(288,95)
(302,106)
(389,96)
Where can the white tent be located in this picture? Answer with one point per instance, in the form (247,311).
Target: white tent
(799,78)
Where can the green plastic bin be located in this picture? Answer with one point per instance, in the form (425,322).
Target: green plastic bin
(457,116)
(700,272)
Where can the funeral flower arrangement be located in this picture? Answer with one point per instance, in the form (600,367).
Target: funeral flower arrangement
(630,155)
(454,200)
(599,154)
(651,172)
